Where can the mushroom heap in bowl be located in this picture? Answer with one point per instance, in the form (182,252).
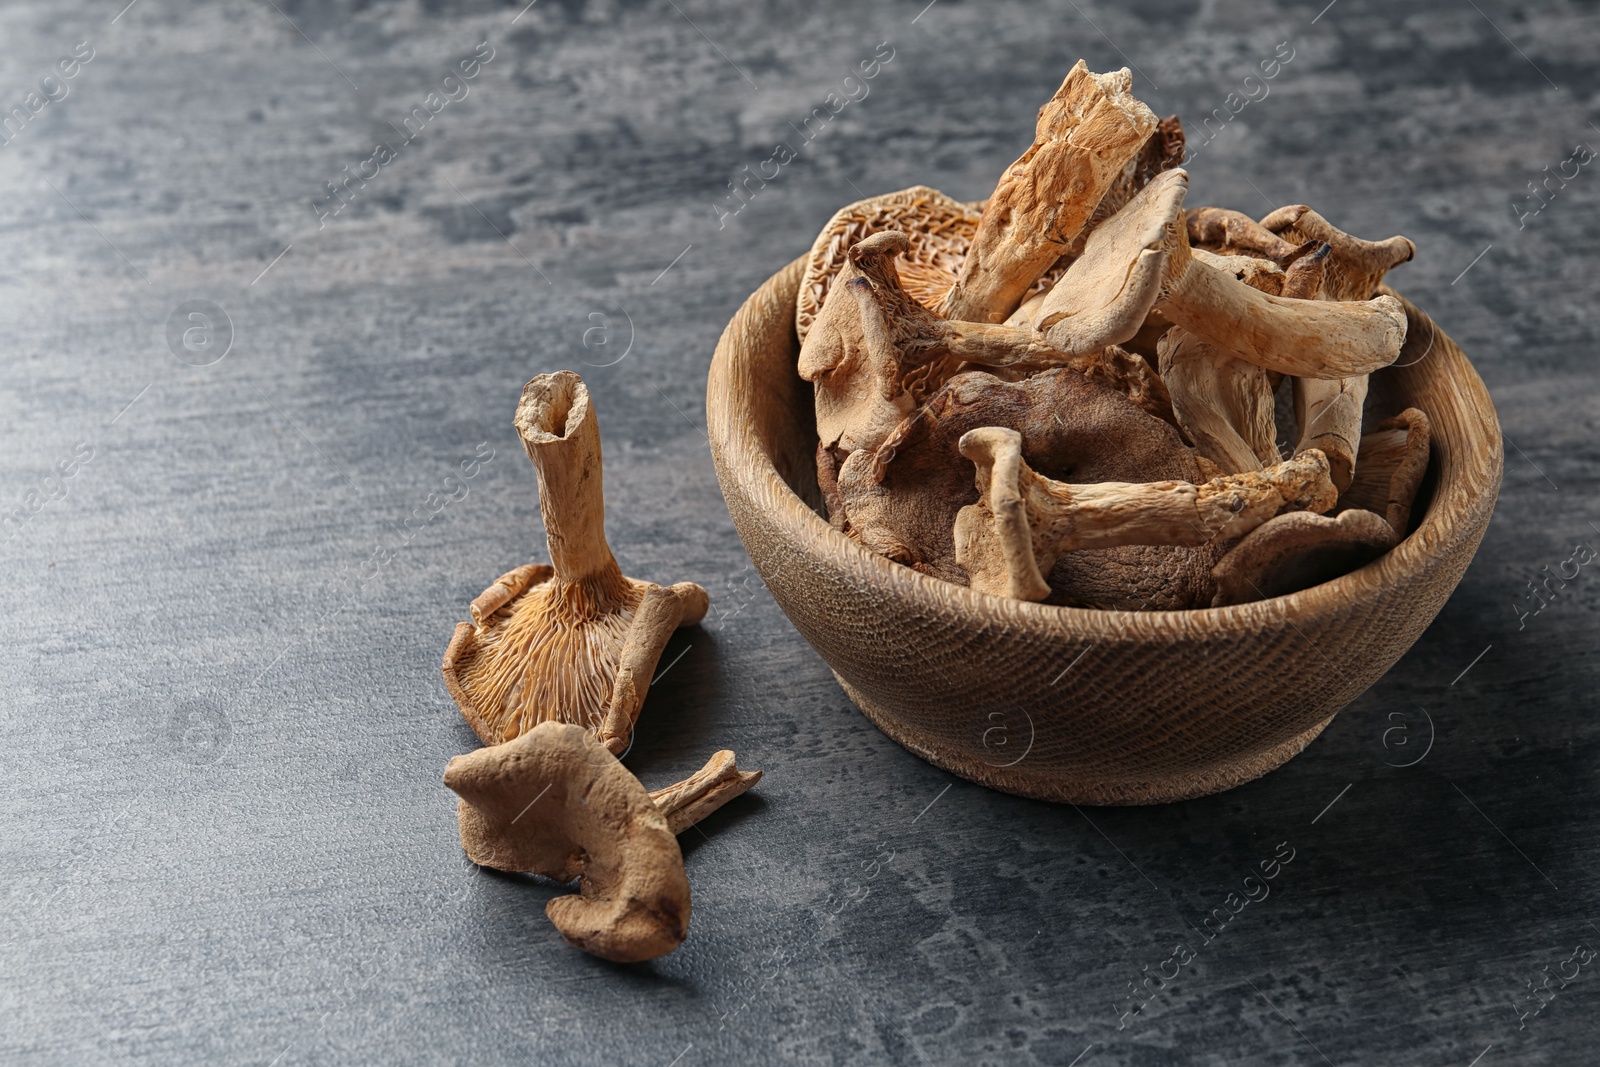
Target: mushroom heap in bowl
(1079,392)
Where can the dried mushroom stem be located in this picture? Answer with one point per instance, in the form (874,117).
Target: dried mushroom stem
(1086,134)
(703,792)
(574,641)
(1328,412)
(1023,521)
(1223,403)
(562,438)
(1394,459)
(554,802)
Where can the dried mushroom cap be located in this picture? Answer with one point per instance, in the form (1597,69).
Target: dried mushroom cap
(863,346)
(1314,339)
(1105,295)
(1394,459)
(1223,403)
(575,642)
(940,229)
(554,802)
(1357,267)
(902,502)
(1085,135)
(1296,551)
(1023,521)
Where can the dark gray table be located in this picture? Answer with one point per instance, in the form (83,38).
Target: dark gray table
(226,838)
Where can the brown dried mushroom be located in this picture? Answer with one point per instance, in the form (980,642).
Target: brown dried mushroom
(554,802)
(575,642)
(1394,459)
(902,500)
(1356,267)
(1299,550)
(1306,338)
(1023,521)
(940,228)
(1086,135)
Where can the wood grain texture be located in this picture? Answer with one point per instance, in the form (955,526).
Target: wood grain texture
(1124,707)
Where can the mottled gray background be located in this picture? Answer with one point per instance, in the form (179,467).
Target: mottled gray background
(226,840)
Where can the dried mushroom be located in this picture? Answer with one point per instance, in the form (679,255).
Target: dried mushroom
(1394,458)
(902,500)
(1023,521)
(1299,550)
(1086,134)
(941,230)
(553,801)
(1223,403)
(1306,338)
(575,642)
(1356,267)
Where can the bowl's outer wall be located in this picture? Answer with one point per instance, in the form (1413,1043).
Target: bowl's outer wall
(1073,705)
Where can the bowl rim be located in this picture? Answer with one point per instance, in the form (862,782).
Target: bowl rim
(1466,489)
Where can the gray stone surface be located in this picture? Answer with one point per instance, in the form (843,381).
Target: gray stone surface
(226,837)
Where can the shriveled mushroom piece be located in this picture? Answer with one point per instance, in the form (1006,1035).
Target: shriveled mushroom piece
(1394,459)
(1329,411)
(1296,551)
(1233,233)
(703,792)
(861,359)
(1306,338)
(1023,521)
(575,642)
(874,352)
(902,500)
(553,801)
(1223,403)
(1086,134)
(940,231)
(1356,267)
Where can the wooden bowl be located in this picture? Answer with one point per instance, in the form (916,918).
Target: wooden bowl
(1070,704)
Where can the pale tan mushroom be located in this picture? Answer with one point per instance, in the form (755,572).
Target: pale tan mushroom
(703,792)
(1329,411)
(554,802)
(575,642)
(1356,267)
(1223,403)
(1023,521)
(1085,136)
(1314,339)
(1233,233)
(1394,459)
(940,231)
(874,352)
